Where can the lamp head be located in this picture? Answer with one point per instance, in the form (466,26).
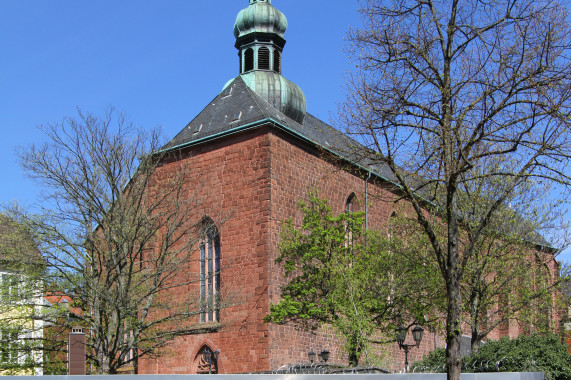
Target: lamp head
(325,355)
(417,333)
(401,334)
(311,355)
(207,354)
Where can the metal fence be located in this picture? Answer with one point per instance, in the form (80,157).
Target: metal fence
(483,366)
(346,376)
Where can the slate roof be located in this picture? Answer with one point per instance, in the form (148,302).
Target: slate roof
(219,118)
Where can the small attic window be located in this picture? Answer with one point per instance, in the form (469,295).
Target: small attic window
(227,92)
(197,129)
(237,116)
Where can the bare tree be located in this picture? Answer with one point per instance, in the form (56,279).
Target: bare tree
(452,93)
(120,237)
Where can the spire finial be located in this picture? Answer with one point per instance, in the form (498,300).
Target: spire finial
(260,1)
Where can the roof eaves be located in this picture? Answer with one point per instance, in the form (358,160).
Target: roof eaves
(216,136)
(286,129)
(290,131)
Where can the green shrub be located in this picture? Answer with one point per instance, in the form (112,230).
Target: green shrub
(537,353)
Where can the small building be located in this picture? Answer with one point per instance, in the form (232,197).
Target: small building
(20,296)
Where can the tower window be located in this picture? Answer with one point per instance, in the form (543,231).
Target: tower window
(240,55)
(264,58)
(249,60)
(277,62)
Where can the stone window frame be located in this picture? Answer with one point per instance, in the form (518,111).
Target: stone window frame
(209,273)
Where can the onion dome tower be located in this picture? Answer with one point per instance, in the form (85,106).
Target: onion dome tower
(259,32)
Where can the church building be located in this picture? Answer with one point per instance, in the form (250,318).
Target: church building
(257,151)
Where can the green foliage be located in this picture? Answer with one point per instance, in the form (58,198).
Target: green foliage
(358,281)
(536,353)
(435,361)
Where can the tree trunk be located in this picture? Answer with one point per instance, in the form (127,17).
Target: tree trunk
(453,332)
(453,319)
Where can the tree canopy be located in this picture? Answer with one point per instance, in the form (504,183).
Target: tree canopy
(359,281)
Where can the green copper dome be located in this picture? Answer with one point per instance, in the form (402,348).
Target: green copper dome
(260,17)
(259,32)
(281,93)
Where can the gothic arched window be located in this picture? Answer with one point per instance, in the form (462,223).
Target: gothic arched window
(349,205)
(210,273)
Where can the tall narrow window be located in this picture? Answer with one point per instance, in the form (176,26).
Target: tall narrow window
(277,62)
(249,60)
(349,233)
(210,274)
(264,58)
(349,203)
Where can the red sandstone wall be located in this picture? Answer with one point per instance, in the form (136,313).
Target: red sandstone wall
(294,172)
(235,189)
(253,181)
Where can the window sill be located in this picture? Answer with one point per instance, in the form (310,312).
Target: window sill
(206,327)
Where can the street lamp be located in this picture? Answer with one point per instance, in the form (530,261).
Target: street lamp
(417,333)
(311,355)
(210,357)
(323,356)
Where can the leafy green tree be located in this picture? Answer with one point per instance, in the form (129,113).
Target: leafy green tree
(342,275)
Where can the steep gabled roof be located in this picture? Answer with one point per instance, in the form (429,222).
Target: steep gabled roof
(238,108)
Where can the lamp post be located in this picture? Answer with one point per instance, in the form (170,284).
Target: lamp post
(417,333)
(210,357)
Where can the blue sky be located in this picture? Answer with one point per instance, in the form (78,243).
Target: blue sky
(159,61)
